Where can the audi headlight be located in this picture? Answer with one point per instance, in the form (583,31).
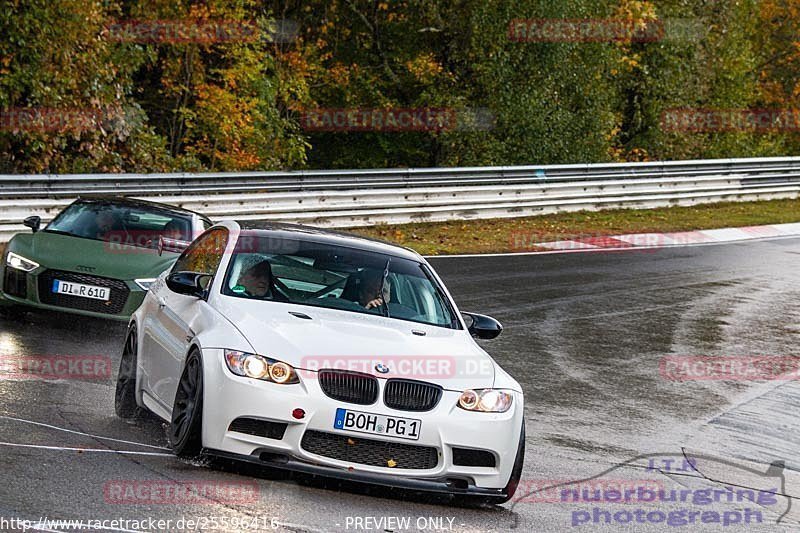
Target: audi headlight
(145,283)
(259,367)
(20,263)
(486,400)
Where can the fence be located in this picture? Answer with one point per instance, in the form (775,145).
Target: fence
(345,198)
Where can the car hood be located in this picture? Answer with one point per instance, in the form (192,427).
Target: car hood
(100,258)
(331,338)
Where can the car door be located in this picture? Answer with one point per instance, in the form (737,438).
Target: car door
(170,329)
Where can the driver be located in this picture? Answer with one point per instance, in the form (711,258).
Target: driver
(369,289)
(259,283)
(105,222)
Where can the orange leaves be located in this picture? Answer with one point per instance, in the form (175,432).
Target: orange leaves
(223,125)
(339,74)
(295,61)
(5,62)
(638,12)
(424,67)
(780,49)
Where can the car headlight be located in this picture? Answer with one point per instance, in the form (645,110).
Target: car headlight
(145,283)
(486,400)
(259,367)
(20,263)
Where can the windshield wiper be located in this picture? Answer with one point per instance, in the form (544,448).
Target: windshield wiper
(384,303)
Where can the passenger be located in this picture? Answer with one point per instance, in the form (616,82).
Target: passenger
(174,229)
(369,289)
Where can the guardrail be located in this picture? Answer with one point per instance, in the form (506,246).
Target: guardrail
(345,198)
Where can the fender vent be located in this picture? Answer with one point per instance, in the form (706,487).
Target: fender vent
(259,428)
(16,283)
(470,457)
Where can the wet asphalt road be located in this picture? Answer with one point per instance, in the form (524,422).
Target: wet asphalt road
(584,336)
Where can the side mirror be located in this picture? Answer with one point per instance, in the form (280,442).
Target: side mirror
(482,326)
(188,283)
(33,222)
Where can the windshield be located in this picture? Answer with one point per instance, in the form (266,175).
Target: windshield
(136,225)
(336,277)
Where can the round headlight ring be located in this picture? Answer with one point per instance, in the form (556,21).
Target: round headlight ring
(280,372)
(490,400)
(255,367)
(468,399)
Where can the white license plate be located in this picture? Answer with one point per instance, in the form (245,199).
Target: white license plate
(81,290)
(390,426)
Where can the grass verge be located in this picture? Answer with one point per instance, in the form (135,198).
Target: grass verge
(517,234)
(500,234)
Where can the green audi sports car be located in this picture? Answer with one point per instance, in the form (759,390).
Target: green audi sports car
(97,257)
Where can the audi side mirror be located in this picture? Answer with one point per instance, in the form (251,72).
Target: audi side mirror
(33,222)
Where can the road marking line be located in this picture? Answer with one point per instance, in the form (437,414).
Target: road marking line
(94,450)
(24,421)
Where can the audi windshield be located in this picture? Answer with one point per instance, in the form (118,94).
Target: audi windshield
(133,224)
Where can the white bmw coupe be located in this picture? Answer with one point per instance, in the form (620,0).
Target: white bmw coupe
(325,353)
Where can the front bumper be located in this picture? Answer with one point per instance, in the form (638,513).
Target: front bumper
(449,486)
(228,397)
(17,287)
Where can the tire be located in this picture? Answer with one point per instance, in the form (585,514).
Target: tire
(125,394)
(187,412)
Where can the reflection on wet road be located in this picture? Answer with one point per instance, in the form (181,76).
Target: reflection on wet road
(585,335)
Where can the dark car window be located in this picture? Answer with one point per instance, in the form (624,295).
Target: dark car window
(204,254)
(336,277)
(136,225)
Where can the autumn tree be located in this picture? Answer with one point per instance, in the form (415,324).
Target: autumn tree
(65,102)
(215,93)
